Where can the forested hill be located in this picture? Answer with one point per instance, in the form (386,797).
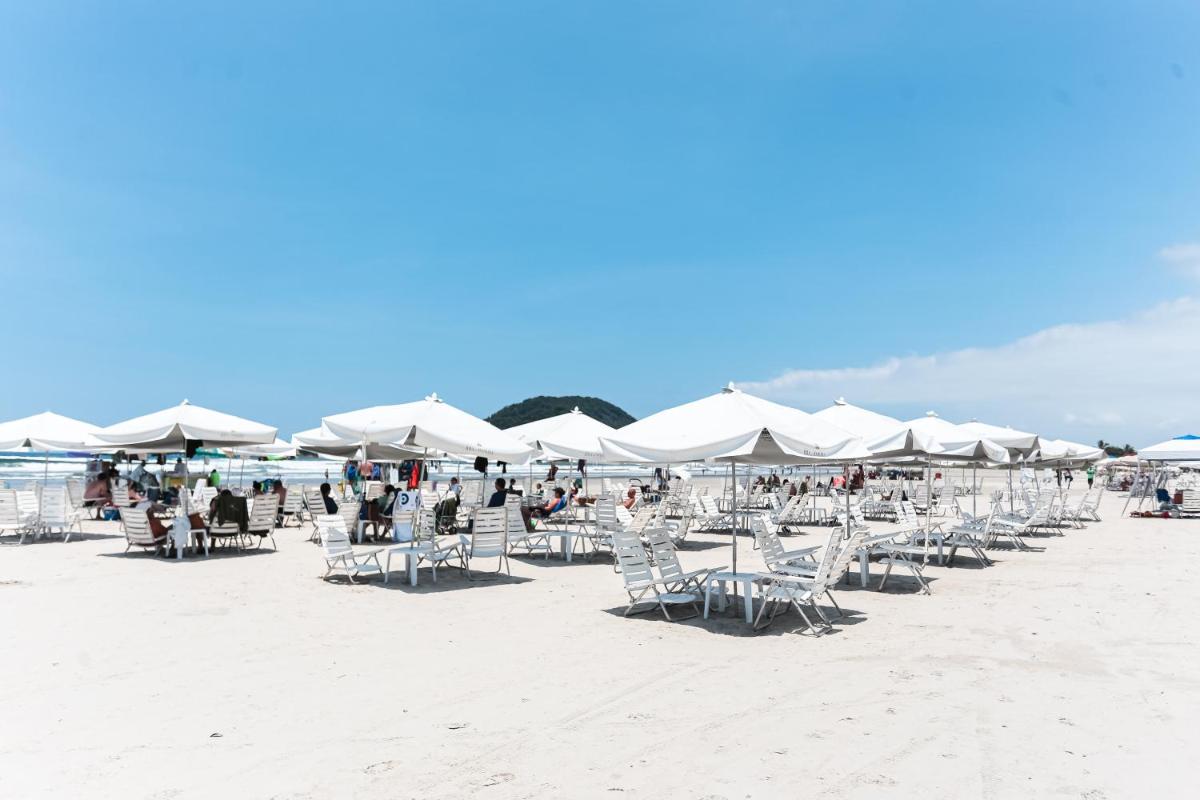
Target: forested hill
(542,406)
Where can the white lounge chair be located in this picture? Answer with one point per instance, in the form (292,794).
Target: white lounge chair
(293,506)
(640,580)
(340,553)
(136,526)
(263,514)
(518,536)
(55,514)
(781,588)
(488,539)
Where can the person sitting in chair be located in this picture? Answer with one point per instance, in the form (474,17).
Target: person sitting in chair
(630,499)
(331,507)
(556,503)
(499,496)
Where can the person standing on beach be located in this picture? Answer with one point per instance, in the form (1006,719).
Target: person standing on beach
(1091,475)
(1068,477)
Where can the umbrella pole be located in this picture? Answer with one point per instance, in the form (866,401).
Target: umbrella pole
(733,518)
(848,508)
(928,493)
(974,512)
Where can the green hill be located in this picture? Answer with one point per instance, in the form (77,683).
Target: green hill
(542,406)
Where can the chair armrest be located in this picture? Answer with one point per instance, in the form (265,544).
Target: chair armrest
(801,552)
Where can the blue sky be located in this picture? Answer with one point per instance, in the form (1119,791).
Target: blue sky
(263,209)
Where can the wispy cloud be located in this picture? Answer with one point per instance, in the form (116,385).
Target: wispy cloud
(1184,257)
(1136,378)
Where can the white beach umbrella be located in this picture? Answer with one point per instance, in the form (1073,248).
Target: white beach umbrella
(1016,442)
(324,442)
(1181,448)
(862,422)
(734,427)
(1062,452)
(956,443)
(48,431)
(572,436)
(886,437)
(429,424)
(171,429)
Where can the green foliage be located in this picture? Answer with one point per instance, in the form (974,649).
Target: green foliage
(1116,451)
(542,406)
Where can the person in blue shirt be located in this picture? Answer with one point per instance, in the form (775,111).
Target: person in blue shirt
(556,503)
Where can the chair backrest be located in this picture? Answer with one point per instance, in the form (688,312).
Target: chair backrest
(606,513)
(10,513)
(54,506)
(425,523)
(514,521)
(489,532)
(841,562)
(75,491)
(334,539)
(664,554)
(136,525)
(263,512)
(641,520)
(632,560)
(293,501)
(768,541)
(314,502)
(348,511)
(513,500)
(373,489)
(825,566)
(27,503)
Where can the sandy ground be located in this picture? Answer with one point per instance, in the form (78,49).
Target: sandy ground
(1071,671)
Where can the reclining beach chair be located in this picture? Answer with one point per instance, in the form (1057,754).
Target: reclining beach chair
(440,548)
(136,526)
(640,580)
(801,592)
(263,514)
(607,524)
(518,535)
(662,548)
(293,507)
(971,534)
(488,539)
(340,553)
(771,547)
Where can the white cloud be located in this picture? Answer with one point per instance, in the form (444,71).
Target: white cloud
(1184,257)
(1135,379)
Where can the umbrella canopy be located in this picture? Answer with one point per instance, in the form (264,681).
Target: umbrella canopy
(864,423)
(955,443)
(430,423)
(1060,452)
(1181,448)
(48,431)
(573,435)
(733,426)
(885,437)
(324,442)
(278,448)
(1016,442)
(172,429)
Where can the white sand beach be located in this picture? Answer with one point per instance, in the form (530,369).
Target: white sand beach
(1070,671)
